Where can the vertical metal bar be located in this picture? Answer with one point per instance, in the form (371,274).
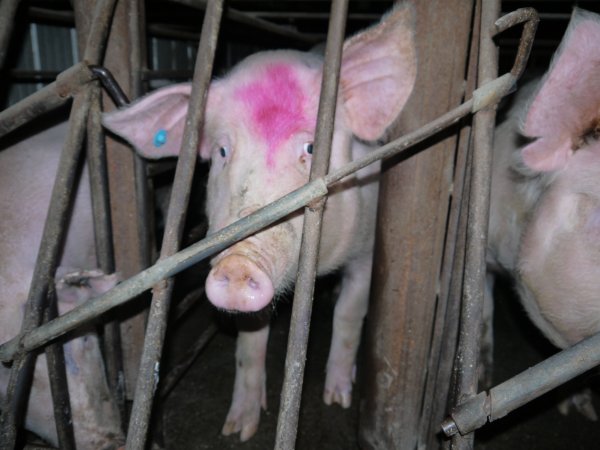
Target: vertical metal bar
(59,388)
(52,239)
(96,158)
(157,319)
(477,224)
(8,11)
(447,315)
(287,423)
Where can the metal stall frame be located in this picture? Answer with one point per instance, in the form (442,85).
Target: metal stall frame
(311,196)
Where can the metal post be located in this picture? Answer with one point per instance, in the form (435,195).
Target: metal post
(157,320)
(287,423)
(477,222)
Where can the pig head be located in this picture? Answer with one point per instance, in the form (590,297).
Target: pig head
(545,219)
(258,133)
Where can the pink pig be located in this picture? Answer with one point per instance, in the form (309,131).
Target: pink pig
(545,211)
(27,172)
(258,133)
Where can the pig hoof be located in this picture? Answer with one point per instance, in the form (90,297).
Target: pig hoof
(244,415)
(338,387)
(582,402)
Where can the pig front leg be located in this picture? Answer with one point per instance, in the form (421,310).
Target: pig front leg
(249,389)
(348,317)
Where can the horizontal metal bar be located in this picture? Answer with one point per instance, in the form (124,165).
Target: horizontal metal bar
(46,99)
(521,389)
(219,240)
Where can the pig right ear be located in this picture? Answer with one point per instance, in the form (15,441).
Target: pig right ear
(566,103)
(378,73)
(154,123)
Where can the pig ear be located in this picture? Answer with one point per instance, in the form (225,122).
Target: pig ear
(154,123)
(566,103)
(378,73)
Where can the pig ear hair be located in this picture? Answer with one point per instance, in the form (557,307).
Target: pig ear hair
(154,123)
(566,103)
(378,73)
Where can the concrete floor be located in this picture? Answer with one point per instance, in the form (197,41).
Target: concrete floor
(194,413)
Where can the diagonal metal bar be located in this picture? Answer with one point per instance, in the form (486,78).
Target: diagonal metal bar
(157,319)
(287,423)
(241,229)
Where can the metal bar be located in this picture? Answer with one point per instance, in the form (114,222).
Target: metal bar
(8,11)
(263,25)
(46,99)
(157,320)
(477,222)
(524,387)
(287,422)
(59,388)
(220,240)
(96,158)
(47,261)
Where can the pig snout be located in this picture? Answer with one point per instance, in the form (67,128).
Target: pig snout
(237,283)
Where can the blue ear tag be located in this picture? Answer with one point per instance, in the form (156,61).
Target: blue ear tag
(160,138)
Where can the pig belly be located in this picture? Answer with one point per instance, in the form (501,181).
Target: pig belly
(27,173)
(560,264)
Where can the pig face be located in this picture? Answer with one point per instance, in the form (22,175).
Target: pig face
(259,127)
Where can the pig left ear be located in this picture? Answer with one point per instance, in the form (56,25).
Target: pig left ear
(153,124)
(568,98)
(378,73)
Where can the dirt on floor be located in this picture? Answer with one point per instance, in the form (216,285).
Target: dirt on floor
(195,411)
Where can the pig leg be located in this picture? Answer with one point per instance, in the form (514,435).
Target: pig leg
(249,389)
(349,313)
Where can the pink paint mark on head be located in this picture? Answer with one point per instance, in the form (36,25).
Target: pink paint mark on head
(276,105)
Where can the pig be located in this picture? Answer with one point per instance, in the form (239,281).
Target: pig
(545,204)
(258,135)
(27,172)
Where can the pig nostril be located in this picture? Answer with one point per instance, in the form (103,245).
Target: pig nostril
(253,284)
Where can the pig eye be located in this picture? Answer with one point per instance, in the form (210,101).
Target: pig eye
(223,151)
(308,147)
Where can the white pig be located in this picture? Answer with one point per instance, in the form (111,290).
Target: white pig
(27,172)
(258,133)
(545,210)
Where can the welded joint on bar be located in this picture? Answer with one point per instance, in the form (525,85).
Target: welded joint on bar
(468,416)
(70,81)
(491,93)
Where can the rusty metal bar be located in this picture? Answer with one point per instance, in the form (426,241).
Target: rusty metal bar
(287,422)
(67,84)
(239,230)
(8,11)
(59,388)
(477,223)
(478,215)
(96,158)
(157,320)
(260,24)
(524,387)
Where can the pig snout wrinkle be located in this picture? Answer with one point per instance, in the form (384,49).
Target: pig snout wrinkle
(236,283)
